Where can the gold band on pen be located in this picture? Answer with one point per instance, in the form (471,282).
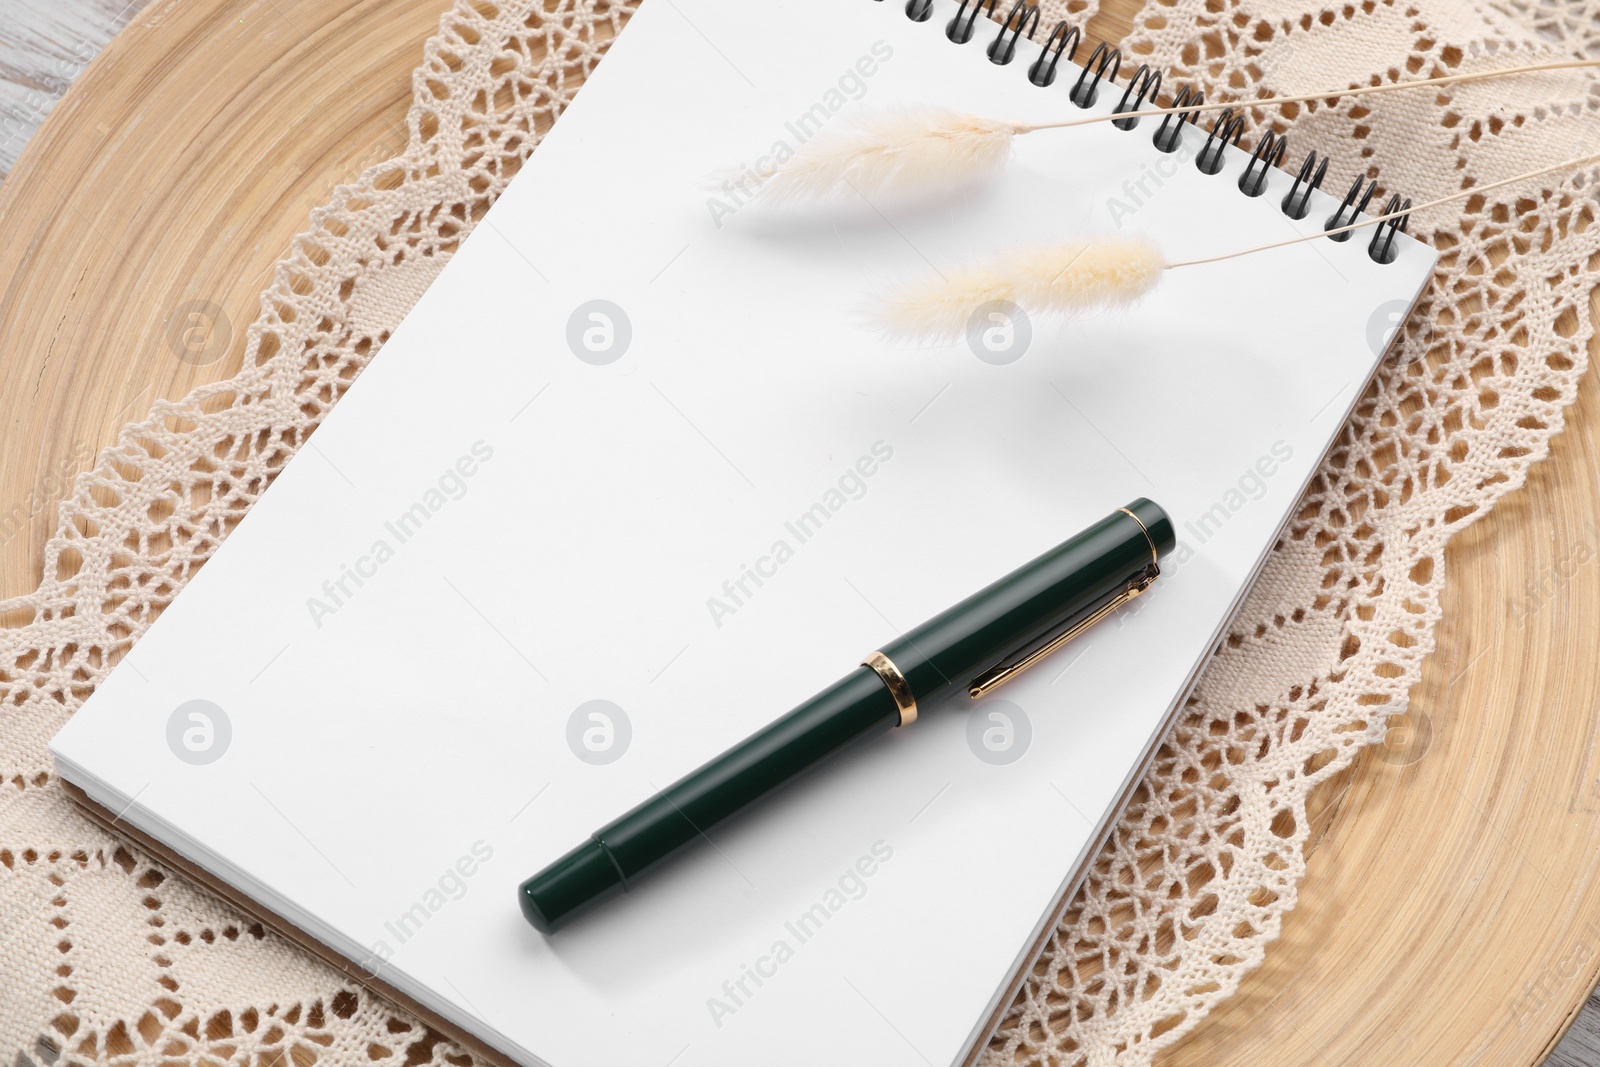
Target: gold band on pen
(896,682)
(1155,557)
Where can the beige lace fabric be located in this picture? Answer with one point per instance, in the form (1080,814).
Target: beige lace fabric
(108,956)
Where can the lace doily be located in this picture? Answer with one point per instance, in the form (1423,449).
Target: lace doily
(108,955)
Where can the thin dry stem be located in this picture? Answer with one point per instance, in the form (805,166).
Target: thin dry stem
(1447,79)
(1462,195)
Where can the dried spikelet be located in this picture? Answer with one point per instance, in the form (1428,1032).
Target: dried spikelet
(1043,279)
(939,308)
(934,149)
(910,151)
(1079,276)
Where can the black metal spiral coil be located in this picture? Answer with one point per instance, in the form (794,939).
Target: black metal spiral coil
(1142,92)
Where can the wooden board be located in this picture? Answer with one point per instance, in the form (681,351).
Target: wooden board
(1451,914)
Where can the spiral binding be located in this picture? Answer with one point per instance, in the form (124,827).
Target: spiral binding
(1142,89)
(1148,83)
(1226,127)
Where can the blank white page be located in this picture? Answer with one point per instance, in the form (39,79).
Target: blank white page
(534,531)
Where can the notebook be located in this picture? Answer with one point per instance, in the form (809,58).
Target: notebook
(635,477)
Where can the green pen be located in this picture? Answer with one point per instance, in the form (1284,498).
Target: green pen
(984,641)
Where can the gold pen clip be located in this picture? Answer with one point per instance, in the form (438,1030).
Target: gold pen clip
(1005,670)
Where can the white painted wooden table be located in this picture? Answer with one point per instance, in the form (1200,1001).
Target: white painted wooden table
(45,44)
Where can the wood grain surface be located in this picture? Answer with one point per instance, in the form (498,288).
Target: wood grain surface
(1451,913)
(44,46)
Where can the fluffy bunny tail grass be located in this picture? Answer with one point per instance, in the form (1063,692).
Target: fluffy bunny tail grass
(1083,275)
(1057,278)
(901,152)
(939,308)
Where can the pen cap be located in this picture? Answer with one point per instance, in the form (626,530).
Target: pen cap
(1035,599)
(571,885)
(1157,523)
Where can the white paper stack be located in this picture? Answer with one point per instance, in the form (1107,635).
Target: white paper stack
(634,478)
